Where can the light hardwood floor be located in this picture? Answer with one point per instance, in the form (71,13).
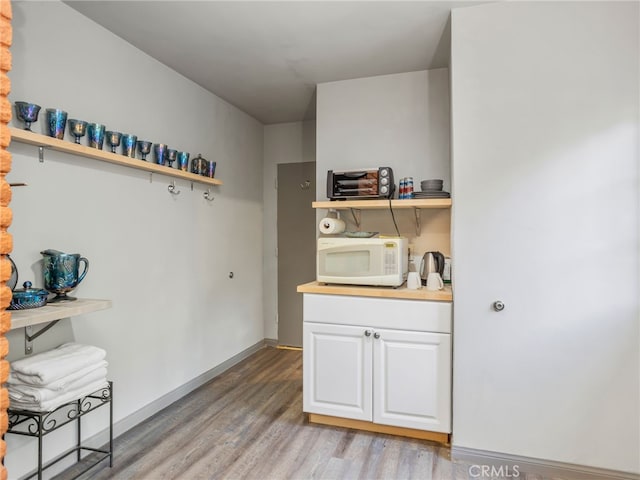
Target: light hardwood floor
(248,424)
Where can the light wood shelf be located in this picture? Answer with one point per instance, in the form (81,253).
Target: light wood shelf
(56,311)
(418,203)
(415,204)
(402,292)
(31,138)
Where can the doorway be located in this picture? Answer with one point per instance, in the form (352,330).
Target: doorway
(296,245)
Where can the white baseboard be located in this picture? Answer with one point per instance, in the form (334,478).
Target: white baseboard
(535,468)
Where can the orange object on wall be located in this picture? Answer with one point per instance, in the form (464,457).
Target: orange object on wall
(6,241)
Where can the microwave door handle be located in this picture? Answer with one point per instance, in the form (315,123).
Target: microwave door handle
(346,248)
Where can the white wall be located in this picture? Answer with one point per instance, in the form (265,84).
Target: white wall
(283,143)
(163,260)
(401,121)
(545,171)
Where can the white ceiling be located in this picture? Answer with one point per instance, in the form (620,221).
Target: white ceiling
(266,57)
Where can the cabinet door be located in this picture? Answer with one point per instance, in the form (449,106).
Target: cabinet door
(412,379)
(337,370)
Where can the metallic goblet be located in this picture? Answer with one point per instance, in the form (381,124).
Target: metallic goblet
(171,157)
(27,113)
(77,128)
(113,140)
(144,148)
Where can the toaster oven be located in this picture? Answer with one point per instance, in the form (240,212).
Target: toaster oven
(354,184)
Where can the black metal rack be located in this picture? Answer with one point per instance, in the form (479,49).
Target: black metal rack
(39,424)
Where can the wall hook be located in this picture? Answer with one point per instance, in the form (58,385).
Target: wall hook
(208,195)
(172,188)
(305,185)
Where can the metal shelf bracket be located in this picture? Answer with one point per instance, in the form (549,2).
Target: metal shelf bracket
(416,212)
(356,214)
(29,337)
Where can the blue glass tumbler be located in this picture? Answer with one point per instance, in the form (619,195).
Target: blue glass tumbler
(95,135)
(160,151)
(56,122)
(183,161)
(128,143)
(211,169)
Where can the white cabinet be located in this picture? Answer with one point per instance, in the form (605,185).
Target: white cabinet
(412,379)
(362,369)
(337,367)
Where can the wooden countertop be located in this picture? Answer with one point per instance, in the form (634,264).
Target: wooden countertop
(402,292)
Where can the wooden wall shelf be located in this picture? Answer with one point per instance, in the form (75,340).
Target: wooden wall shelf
(382,204)
(56,311)
(51,314)
(30,138)
(356,206)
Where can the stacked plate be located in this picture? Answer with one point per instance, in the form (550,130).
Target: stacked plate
(431,189)
(433,184)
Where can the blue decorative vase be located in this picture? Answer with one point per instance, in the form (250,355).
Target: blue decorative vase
(56,122)
(95,134)
(199,165)
(62,273)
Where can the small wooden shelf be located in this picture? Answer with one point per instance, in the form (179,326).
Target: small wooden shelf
(356,206)
(30,138)
(56,311)
(419,203)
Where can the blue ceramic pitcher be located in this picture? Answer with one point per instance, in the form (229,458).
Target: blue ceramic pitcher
(62,273)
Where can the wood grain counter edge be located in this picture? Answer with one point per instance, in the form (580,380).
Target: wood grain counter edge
(402,292)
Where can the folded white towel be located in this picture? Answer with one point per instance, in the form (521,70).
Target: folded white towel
(60,384)
(54,403)
(46,367)
(30,393)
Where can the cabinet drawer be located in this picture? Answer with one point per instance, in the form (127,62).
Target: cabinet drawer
(417,315)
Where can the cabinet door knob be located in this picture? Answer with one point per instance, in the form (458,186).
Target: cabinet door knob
(367,333)
(376,335)
(498,306)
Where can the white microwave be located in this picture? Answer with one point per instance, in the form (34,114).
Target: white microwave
(363,261)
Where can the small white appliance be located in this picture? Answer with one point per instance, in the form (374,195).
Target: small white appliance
(380,261)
